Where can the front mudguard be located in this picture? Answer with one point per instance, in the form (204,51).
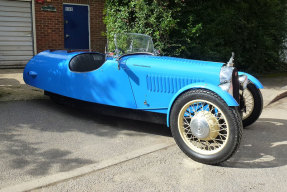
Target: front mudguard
(230,101)
(255,81)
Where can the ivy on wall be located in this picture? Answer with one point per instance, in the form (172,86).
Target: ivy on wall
(208,30)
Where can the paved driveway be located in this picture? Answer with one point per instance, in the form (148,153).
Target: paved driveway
(259,165)
(39,138)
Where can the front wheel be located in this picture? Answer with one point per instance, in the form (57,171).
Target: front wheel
(204,127)
(254,104)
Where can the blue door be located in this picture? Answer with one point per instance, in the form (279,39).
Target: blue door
(76,26)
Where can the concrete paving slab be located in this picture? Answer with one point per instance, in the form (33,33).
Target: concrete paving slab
(63,176)
(259,165)
(40,138)
(13,87)
(270,94)
(274,82)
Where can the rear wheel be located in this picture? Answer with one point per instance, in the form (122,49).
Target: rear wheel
(254,104)
(204,127)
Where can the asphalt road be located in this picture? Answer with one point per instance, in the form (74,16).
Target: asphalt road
(40,138)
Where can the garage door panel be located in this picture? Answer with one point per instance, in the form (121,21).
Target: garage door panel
(5,43)
(15,53)
(16,39)
(16,29)
(15,19)
(15,14)
(15,24)
(16,42)
(16,48)
(14,58)
(14,4)
(7,64)
(14,9)
(16,34)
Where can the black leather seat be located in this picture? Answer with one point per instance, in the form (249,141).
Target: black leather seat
(86,62)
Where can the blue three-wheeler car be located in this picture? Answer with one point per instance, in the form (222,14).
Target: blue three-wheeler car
(205,104)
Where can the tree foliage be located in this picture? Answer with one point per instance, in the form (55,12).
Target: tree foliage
(208,30)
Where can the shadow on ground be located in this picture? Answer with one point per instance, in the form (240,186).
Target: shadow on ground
(14,89)
(9,82)
(115,124)
(263,145)
(18,118)
(23,154)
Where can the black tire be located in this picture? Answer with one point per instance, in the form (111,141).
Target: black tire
(232,117)
(258,105)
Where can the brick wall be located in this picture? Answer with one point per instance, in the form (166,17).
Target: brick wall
(50,25)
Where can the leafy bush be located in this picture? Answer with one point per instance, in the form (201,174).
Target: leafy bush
(207,30)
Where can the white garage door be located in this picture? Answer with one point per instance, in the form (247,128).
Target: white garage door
(16,42)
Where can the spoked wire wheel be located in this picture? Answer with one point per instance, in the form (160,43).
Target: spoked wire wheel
(249,103)
(203,127)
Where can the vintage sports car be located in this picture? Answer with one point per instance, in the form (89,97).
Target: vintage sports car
(205,104)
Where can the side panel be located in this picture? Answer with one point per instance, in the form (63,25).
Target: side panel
(106,85)
(155,80)
(230,101)
(253,79)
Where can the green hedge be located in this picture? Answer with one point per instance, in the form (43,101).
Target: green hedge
(208,30)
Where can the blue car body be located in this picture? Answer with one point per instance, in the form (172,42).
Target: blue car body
(138,81)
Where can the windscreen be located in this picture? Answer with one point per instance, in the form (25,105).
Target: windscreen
(129,43)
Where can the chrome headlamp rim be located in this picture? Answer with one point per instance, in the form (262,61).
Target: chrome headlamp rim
(226,74)
(226,79)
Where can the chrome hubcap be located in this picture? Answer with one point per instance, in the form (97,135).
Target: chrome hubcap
(199,126)
(204,126)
